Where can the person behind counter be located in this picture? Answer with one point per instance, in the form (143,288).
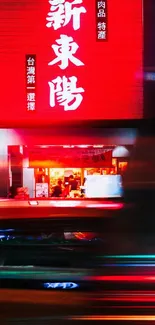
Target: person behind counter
(73,183)
(66,190)
(57,191)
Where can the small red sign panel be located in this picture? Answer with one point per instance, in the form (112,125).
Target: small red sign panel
(31,82)
(101,20)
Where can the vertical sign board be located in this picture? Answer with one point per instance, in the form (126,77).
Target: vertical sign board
(101,20)
(89,54)
(31,82)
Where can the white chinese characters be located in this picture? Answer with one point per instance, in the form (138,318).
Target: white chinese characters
(101,34)
(64,90)
(101,26)
(65,51)
(31,97)
(61,13)
(30,61)
(31,82)
(101,4)
(101,13)
(66,93)
(30,70)
(31,106)
(101,21)
(30,79)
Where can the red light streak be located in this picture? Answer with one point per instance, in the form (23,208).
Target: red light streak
(123,278)
(130,299)
(126,296)
(116,317)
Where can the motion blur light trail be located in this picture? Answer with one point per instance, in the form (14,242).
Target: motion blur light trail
(127,296)
(129,265)
(124,278)
(130,298)
(130,256)
(115,318)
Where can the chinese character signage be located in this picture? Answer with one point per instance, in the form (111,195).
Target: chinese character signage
(31,82)
(76,157)
(89,61)
(101,20)
(64,90)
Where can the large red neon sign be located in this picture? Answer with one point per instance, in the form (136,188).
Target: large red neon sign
(77,77)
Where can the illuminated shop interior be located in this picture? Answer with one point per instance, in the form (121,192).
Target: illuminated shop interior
(81,171)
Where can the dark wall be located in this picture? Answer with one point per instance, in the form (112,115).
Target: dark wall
(16,160)
(4,172)
(149,57)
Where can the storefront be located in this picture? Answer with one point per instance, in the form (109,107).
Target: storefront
(62,79)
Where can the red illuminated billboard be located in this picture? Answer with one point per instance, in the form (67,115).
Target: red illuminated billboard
(88,60)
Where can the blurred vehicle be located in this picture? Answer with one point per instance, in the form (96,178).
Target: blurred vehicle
(100,253)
